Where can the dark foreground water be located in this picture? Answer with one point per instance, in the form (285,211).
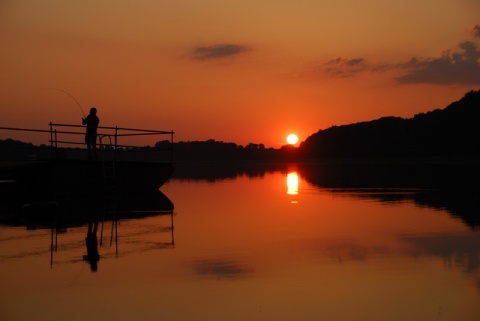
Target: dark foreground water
(269,245)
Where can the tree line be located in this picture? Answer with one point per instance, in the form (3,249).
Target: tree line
(452,132)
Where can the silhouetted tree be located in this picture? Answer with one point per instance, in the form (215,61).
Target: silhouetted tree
(449,133)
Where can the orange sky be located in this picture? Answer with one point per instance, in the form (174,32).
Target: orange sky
(230,70)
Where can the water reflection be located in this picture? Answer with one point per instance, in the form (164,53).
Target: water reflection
(292,183)
(457,250)
(91,242)
(386,187)
(95,214)
(222,268)
(381,251)
(341,253)
(440,185)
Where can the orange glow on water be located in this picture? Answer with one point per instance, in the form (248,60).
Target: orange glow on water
(292,183)
(239,248)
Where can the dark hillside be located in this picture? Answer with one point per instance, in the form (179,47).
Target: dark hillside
(453,132)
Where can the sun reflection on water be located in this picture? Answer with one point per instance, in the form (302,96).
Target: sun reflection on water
(292,183)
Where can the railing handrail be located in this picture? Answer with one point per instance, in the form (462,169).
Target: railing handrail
(27,129)
(143,132)
(153,132)
(54,140)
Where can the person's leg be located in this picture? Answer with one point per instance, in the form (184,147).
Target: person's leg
(94,146)
(89,147)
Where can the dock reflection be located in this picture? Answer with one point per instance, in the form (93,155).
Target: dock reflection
(99,216)
(92,256)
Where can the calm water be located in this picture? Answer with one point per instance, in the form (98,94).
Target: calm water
(272,245)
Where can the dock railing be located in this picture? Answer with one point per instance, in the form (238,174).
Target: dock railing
(67,141)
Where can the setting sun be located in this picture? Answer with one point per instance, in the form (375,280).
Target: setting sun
(292,139)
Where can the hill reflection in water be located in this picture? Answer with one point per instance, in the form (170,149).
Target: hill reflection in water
(450,186)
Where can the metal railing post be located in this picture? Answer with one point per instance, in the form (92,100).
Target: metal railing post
(56,143)
(52,154)
(116,136)
(171,147)
(116,144)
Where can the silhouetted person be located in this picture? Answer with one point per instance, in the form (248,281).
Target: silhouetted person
(92,122)
(92,256)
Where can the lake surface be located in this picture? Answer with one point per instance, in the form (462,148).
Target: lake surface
(272,244)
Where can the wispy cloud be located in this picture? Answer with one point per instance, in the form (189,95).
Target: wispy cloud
(341,67)
(218,51)
(460,66)
(452,67)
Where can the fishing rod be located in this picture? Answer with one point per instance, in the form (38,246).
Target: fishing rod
(71,96)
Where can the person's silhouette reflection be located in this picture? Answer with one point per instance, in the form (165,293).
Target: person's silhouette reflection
(92,256)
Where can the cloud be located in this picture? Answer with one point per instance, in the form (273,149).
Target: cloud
(452,67)
(460,66)
(474,30)
(218,51)
(341,67)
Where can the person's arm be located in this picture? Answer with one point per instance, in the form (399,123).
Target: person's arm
(86,120)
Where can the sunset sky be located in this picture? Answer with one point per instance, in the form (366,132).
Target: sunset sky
(237,71)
